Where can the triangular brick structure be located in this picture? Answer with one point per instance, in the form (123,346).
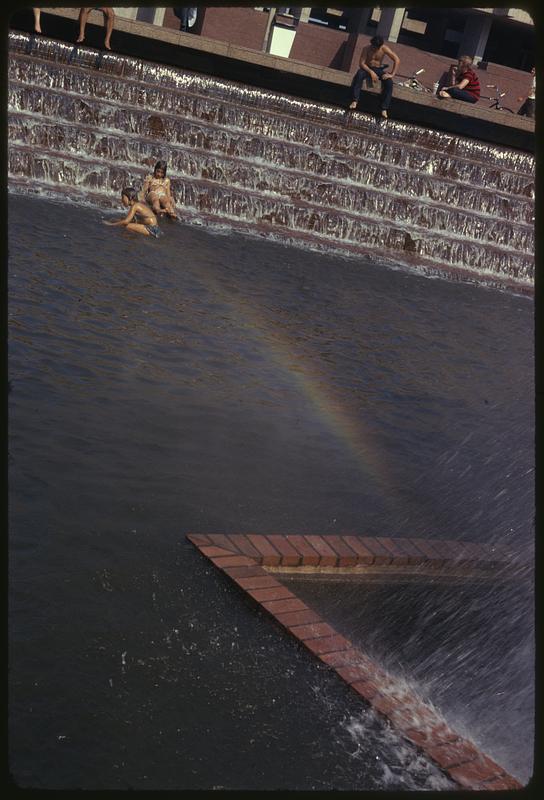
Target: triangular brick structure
(254,563)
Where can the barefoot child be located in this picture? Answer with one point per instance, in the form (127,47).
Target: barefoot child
(148,226)
(156,191)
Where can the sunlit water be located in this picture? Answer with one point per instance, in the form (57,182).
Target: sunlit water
(225,384)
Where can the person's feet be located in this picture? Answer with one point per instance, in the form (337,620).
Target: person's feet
(80,39)
(384,114)
(107,45)
(37,28)
(353,105)
(443,93)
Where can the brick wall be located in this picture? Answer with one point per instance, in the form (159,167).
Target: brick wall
(240,26)
(318,45)
(170,20)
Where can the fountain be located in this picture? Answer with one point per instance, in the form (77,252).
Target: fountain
(349,393)
(270,165)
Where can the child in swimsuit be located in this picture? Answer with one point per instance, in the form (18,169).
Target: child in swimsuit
(148,226)
(156,191)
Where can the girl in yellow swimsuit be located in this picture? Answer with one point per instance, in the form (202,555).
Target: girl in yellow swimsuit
(156,191)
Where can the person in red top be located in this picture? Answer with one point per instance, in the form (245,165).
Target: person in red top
(467,87)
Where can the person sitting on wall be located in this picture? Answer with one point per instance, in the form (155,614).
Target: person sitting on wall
(109,16)
(467,87)
(447,78)
(372,69)
(528,107)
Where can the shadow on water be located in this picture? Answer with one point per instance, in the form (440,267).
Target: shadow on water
(224,384)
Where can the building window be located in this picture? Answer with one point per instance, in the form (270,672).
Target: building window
(331,17)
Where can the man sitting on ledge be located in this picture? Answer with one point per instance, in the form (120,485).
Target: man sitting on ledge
(371,68)
(467,87)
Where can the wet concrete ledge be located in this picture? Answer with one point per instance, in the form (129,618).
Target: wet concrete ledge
(322,84)
(247,559)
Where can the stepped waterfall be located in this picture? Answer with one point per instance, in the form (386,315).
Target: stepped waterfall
(82,125)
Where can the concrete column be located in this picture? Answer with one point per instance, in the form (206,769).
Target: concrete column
(390,23)
(356,27)
(475,36)
(304,14)
(125,12)
(159,16)
(358,19)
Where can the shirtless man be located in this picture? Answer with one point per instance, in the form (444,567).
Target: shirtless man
(371,68)
(148,225)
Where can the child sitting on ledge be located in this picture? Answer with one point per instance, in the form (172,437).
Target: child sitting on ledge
(156,191)
(148,226)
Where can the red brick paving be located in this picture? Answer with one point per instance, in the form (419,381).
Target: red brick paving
(220,540)
(366,689)
(426,546)
(260,582)
(363,553)
(411,550)
(312,631)
(292,618)
(275,593)
(198,538)
(380,553)
(399,556)
(347,557)
(245,572)
(453,754)
(328,644)
(342,657)
(310,557)
(352,674)
(290,557)
(242,558)
(327,556)
(242,544)
(280,606)
(213,552)
(232,561)
(269,554)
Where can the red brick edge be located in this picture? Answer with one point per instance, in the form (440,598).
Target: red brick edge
(243,559)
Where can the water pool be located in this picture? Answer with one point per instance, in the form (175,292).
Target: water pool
(219,383)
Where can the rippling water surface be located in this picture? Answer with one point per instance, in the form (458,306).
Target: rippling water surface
(224,384)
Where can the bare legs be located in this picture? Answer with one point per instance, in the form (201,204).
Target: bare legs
(137,227)
(161,204)
(37,27)
(83,14)
(109,17)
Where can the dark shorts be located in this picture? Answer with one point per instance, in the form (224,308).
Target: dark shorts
(154,230)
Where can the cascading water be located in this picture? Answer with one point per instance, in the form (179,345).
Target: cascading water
(268,164)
